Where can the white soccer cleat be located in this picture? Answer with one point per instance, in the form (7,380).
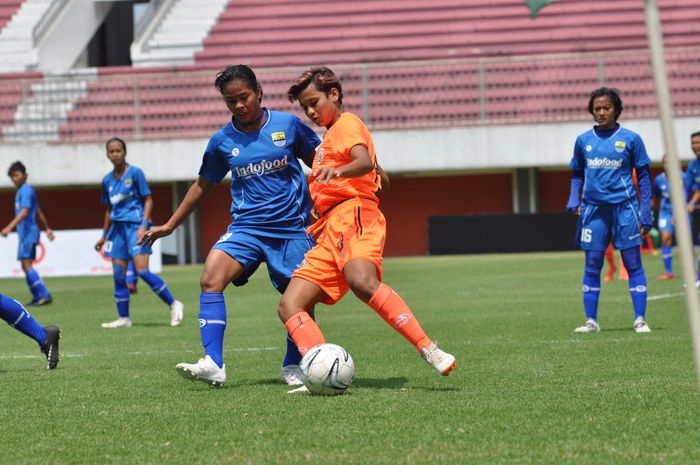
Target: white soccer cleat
(591,326)
(121,322)
(205,370)
(291,375)
(641,326)
(177,311)
(299,390)
(697,283)
(437,358)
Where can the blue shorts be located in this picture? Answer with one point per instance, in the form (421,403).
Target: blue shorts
(26,250)
(282,256)
(121,241)
(666,222)
(599,224)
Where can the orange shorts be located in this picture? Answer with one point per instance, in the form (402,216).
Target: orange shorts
(354,229)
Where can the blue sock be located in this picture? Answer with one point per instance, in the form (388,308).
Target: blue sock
(36,285)
(632,258)
(121,292)
(667,256)
(292,357)
(158,286)
(591,282)
(16,316)
(131,276)
(212,324)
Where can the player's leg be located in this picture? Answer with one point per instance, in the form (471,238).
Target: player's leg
(26,255)
(159,287)
(131,278)
(19,318)
(282,257)
(121,295)
(300,296)
(666,230)
(220,269)
(628,239)
(610,259)
(593,236)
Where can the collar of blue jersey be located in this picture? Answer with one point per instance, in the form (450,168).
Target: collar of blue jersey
(264,112)
(605,133)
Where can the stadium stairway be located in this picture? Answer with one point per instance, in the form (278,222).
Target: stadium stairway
(175,31)
(17,37)
(8,8)
(39,114)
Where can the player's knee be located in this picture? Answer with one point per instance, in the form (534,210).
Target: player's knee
(364,285)
(286,308)
(210,282)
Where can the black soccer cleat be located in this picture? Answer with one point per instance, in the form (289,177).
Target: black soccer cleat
(50,347)
(43,301)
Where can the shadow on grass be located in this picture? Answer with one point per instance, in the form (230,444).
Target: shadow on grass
(165,323)
(627,329)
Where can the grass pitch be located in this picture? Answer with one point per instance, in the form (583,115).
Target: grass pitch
(527,390)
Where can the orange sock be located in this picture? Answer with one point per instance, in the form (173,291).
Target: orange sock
(391,307)
(304,332)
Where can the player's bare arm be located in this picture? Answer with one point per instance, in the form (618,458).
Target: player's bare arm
(15,221)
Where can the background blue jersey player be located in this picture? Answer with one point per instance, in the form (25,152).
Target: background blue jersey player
(127,196)
(270,209)
(661,195)
(603,195)
(27,212)
(692,184)
(15,315)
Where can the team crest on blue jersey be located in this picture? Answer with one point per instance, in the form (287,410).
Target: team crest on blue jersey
(620,146)
(235,152)
(128,182)
(589,148)
(279,139)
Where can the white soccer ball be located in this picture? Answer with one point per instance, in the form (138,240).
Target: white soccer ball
(327,369)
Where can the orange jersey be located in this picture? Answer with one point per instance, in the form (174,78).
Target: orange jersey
(346,133)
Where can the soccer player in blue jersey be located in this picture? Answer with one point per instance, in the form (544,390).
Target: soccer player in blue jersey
(661,196)
(15,315)
(127,196)
(692,184)
(27,212)
(270,209)
(603,195)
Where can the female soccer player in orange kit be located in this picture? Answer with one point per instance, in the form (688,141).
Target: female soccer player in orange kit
(350,231)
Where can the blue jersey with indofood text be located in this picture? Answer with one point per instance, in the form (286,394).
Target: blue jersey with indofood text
(607,164)
(662,191)
(268,187)
(125,194)
(27,229)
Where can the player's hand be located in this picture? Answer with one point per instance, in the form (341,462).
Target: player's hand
(691,208)
(575,210)
(155,233)
(140,234)
(49,234)
(645,232)
(5,232)
(100,243)
(313,214)
(325,174)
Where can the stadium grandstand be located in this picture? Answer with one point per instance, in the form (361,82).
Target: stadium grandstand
(474,106)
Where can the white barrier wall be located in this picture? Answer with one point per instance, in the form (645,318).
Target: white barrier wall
(71,253)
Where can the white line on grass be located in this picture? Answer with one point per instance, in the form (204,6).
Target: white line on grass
(665,296)
(150,353)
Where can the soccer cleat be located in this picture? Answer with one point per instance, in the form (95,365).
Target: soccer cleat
(591,326)
(121,322)
(50,347)
(697,283)
(641,326)
(437,358)
(176,312)
(46,300)
(291,375)
(299,390)
(666,276)
(205,370)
